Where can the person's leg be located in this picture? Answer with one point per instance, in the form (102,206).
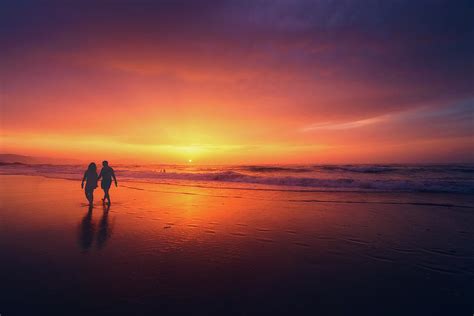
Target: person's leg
(107,196)
(89,196)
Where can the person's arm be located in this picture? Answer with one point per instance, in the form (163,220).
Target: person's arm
(113,176)
(100,175)
(84,179)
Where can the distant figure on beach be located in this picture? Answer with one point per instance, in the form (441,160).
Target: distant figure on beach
(107,173)
(90,176)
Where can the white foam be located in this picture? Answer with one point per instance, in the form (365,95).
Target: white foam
(279,176)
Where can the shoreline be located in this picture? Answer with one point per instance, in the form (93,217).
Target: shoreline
(355,197)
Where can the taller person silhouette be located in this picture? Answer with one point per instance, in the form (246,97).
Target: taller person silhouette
(106,174)
(90,177)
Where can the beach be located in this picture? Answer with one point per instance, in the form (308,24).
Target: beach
(303,157)
(192,250)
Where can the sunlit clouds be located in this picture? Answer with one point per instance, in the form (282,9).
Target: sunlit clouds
(227,82)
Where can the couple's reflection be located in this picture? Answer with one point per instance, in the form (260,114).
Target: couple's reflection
(88,229)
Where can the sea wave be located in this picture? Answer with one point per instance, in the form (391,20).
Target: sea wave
(402,169)
(360,169)
(272,176)
(343,184)
(276,169)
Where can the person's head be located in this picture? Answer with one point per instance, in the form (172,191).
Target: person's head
(92,167)
(105,163)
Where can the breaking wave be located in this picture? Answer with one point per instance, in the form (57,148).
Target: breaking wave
(342,184)
(454,179)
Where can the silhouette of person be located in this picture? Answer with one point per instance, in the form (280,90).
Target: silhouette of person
(106,174)
(90,176)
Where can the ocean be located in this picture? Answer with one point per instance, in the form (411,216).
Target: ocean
(433,178)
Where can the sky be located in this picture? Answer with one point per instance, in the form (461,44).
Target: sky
(225,82)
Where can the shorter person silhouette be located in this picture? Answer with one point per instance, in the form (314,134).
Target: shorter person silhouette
(107,173)
(90,176)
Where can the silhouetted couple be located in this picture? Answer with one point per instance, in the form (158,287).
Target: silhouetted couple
(91,178)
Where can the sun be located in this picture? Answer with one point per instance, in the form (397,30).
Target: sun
(190,160)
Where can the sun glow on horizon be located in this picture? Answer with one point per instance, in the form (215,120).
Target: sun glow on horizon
(237,84)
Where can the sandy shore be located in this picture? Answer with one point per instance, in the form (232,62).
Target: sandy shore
(172,250)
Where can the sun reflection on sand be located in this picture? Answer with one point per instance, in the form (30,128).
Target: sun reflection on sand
(161,244)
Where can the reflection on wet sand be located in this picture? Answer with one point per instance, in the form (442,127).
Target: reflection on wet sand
(88,230)
(105,230)
(262,253)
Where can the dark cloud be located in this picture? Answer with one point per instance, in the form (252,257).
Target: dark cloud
(419,50)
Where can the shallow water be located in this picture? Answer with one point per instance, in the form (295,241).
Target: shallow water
(198,250)
(447,178)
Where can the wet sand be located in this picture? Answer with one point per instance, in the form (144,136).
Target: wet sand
(190,250)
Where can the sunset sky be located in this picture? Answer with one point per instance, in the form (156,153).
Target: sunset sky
(238,81)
